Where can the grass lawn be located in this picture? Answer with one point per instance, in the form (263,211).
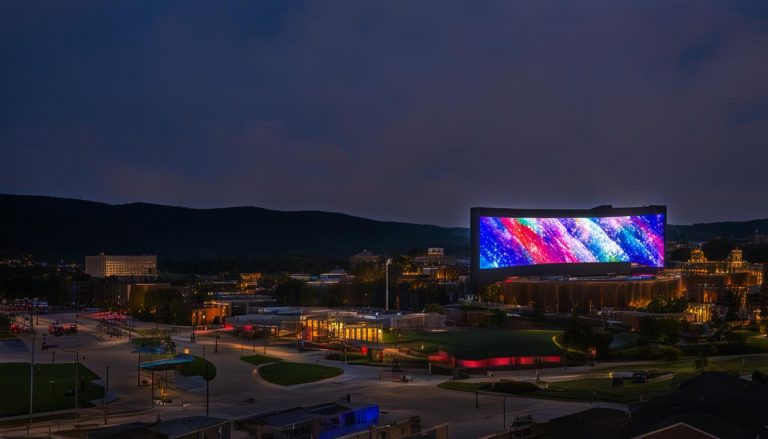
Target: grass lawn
(146,341)
(599,389)
(460,385)
(624,340)
(260,359)
(475,344)
(287,373)
(14,382)
(756,342)
(197,368)
(716,364)
(683,369)
(4,335)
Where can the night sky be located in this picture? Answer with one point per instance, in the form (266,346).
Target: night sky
(411,111)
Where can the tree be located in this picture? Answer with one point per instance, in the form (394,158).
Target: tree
(290,292)
(649,328)
(434,307)
(166,305)
(669,331)
(669,355)
(661,304)
(497,318)
(666,331)
(492,293)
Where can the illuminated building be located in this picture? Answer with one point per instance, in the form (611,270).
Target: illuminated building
(730,282)
(364,257)
(324,324)
(562,295)
(331,420)
(121,266)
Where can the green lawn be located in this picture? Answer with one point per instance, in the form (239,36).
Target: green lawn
(716,364)
(599,389)
(197,368)
(287,373)
(146,341)
(625,340)
(474,344)
(5,335)
(756,343)
(14,382)
(260,359)
(460,385)
(683,369)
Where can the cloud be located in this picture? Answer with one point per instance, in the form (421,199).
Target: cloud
(406,110)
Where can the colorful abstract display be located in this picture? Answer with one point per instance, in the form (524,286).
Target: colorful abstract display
(509,242)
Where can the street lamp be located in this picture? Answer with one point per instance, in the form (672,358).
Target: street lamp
(154,313)
(386,283)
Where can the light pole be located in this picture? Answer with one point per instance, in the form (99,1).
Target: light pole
(31,380)
(207,386)
(106,392)
(77,384)
(138,371)
(386,283)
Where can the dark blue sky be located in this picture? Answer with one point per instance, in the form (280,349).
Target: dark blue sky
(411,111)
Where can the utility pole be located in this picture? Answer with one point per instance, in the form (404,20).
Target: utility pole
(504,409)
(207,391)
(138,371)
(77,382)
(386,284)
(31,381)
(106,394)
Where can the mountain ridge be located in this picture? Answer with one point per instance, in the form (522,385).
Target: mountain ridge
(70,228)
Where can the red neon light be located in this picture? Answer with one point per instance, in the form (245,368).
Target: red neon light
(443,357)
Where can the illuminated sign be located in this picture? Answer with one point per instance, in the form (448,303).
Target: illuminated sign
(511,241)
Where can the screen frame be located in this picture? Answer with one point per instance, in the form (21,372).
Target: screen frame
(491,275)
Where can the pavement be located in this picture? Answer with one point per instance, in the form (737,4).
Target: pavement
(238,391)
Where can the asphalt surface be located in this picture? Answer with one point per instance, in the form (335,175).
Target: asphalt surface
(238,391)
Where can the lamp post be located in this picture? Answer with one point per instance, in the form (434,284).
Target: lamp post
(77,384)
(207,387)
(106,394)
(386,284)
(31,380)
(138,372)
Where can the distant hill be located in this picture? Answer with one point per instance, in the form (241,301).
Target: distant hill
(736,231)
(59,228)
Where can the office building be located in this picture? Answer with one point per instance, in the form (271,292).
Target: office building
(121,266)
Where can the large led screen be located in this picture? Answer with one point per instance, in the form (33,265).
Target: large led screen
(511,242)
